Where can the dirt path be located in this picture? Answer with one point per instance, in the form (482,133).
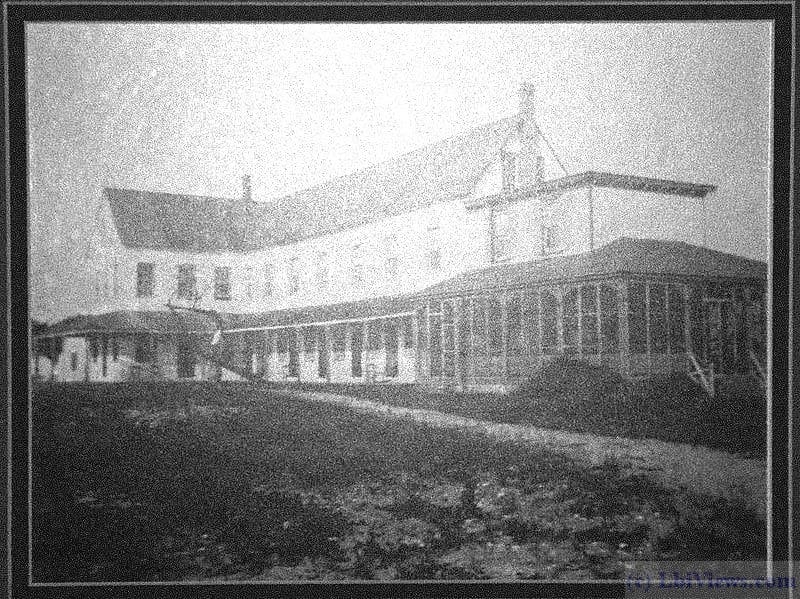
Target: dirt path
(675,465)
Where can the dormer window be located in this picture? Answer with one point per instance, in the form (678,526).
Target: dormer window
(357,265)
(502,235)
(509,170)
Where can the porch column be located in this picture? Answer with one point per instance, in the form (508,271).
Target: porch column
(328,350)
(298,347)
(624,327)
(457,340)
(504,334)
(364,350)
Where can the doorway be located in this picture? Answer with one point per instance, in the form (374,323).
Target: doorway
(294,354)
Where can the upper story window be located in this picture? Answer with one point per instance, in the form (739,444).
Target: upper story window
(509,170)
(357,257)
(551,238)
(248,282)
(222,283)
(434,251)
(322,270)
(269,280)
(187,281)
(294,275)
(145,279)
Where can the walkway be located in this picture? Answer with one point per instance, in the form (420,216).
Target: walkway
(674,465)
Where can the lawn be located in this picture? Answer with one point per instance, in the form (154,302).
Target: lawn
(228,481)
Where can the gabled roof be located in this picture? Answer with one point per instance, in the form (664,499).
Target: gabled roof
(441,171)
(621,256)
(601,179)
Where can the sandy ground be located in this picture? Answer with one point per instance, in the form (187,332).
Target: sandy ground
(675,465)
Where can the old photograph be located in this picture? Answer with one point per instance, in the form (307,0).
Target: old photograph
(347,302)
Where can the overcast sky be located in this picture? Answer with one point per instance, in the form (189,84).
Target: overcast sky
(190,108)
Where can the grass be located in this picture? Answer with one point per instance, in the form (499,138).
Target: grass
(573,396)
(182,481)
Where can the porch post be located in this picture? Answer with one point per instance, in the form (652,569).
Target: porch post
(328,350)
(624,327)
(457,340)
(504,333)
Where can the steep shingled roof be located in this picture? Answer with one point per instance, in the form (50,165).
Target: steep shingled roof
(622,256)
(441,171)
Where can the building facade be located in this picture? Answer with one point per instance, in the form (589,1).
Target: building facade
(467,263)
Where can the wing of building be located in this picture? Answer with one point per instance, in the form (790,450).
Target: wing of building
(470,263)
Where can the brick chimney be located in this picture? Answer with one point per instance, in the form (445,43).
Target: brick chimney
(247,192)
(530,158)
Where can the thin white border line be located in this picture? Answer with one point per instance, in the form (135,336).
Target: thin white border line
(9,395)
(770,318)
(368,3)
(791,299)
(457,3)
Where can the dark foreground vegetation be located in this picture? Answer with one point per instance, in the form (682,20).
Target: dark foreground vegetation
(212,481)
(575,396)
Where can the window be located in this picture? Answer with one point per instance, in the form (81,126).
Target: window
(144,351)
(422,328)
(322,270)
(677,312)
(269,280)
(589,335)
(73,361)
(479,325)
(145,279)
(658,318)
(248,282)
(374,332)
(434,252)
(549,304)
(530,316)
(514,325)
(282,340)
(309,340)
(187,281)
(609,319)
(357,265)
(294,275)
(114,349)
(571,321)
(550,238)
(94,348)
(407,325)
(509,170)
(637,317)
(495,323)
(435,320)
(222,283)
(338,341)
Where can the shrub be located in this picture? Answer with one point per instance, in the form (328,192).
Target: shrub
(568,393)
